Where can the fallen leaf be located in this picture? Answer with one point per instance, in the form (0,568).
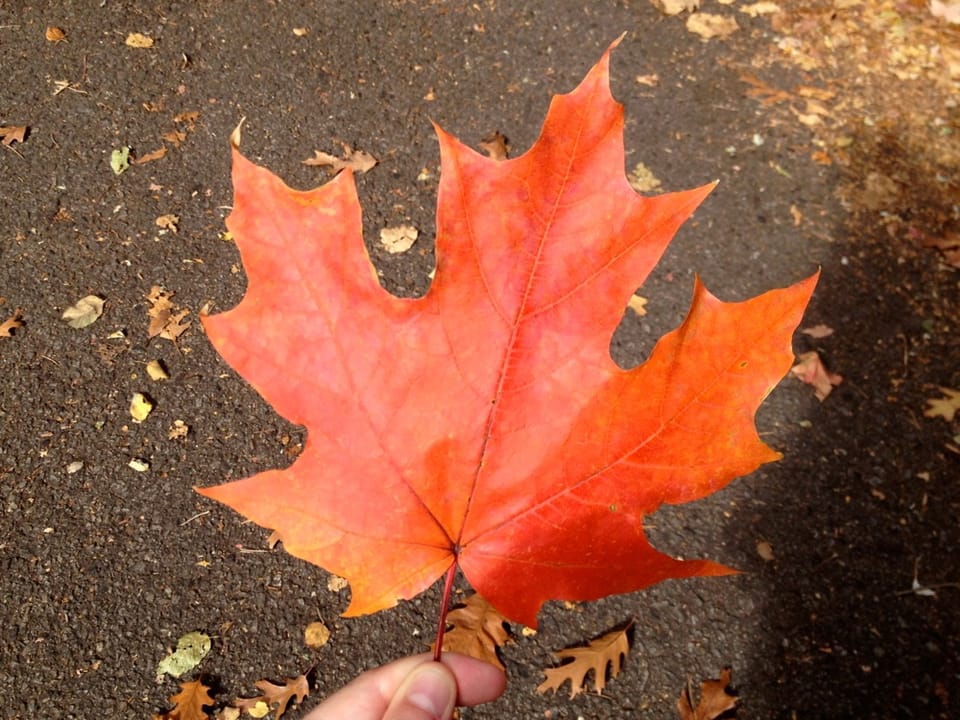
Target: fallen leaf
(715,700)
(477,630)
(188,704)
(709,26)
(54,34)
(608,651)
(811,370)
(760,8)
(356,160)
(74,467)
(157,371)
(638,304)
(398,239)
(178,430)
(140,407)
(138,40)
(279,695)
(151,156)
(818,331)
(765,550)
(335,583)
(191,649)
(138,464)
(642,179)
(675,7)
(174,137)
(945,407)
(86,311)
(164,321)
(168,222)
(488,415)
(120,160)
(495,146)
(8,326)
(300,31)
(650,80)
(316,635)
(9,134)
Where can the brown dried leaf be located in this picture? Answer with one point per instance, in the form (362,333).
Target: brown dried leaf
(477,630)
(279,695)
(168,222)
(163,320)
(495,146)
(811,370)
(54,34)
(609,650)
(357,160)
(151,156)
(10,134)
(714,699)
(708,25)
(188,704)
(13,322)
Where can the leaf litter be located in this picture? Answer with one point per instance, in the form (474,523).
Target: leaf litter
(604,654)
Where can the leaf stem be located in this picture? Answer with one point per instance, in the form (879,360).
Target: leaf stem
(444,607)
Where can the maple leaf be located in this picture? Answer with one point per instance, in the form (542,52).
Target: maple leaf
(477,630)
(188,704)
(485,426)
(279,695)
(715,699)
(610,650)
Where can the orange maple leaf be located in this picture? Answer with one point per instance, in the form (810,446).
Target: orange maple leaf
(485,424)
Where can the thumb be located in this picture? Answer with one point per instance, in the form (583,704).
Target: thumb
(427,693)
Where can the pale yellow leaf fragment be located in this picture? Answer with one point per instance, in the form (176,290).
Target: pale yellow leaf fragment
(157,371)
(642,179)
(138,40)
(86,311)
(316,635)
(945,407)
(708,25)
(398,239)
(638,304)
(760,8)
(140,407)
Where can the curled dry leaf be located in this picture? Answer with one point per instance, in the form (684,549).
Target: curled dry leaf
(642,179)
(151,156)
(715,700)
(356,160)
(86,311)
(157,371)
(607,651)
(398,239)
(168,222)
(335,583)
(8,326)
(811,370)
(279,695)
(476,629)
(54,34)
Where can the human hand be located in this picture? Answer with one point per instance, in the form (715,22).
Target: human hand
(414,688)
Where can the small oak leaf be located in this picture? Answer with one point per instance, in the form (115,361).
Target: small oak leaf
(715,699)
(356,160)
(945,407)
(477,630)
(608,650)
(188,704)
(279,695)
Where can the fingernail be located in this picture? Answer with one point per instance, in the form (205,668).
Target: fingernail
(432,690)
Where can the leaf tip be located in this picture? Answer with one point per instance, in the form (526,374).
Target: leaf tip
(235,135)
